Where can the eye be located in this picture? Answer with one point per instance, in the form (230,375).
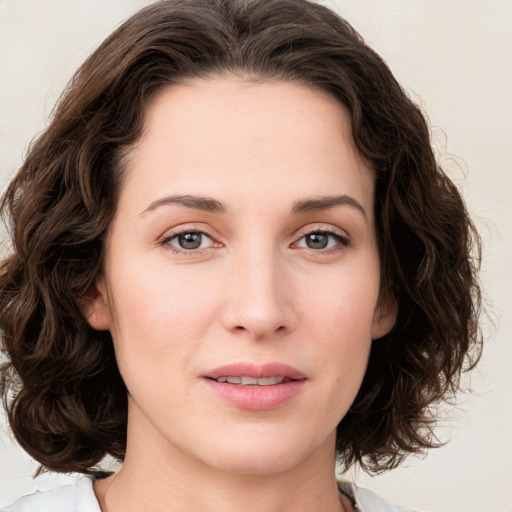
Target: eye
(322,240)
(188,241)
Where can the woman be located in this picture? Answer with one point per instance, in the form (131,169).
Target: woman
(235,260)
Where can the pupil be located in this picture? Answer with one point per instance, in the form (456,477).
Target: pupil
(190,240)
(317,241)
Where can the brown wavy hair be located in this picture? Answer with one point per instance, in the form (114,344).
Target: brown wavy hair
(66,401)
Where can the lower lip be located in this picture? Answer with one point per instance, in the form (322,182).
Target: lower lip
(257,397)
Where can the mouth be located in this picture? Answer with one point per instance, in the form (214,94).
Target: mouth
(254,381)
(249,374)
(257,387)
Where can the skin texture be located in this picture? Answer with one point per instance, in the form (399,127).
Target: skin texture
(253,292)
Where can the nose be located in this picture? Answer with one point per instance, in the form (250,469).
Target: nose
(259,296)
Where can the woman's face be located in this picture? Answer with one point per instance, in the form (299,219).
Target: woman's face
(243,247)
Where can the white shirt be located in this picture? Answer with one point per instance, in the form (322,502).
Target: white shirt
(81,498)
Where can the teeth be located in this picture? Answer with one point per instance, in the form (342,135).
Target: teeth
(269,381)
(252,381)
(248,381)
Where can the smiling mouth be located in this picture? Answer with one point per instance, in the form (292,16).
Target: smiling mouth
(256,387)
(253,381)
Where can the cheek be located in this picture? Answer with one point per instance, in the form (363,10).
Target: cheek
(339,313)
(158,313)
(343,301)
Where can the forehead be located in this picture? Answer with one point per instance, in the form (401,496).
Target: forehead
(228,138)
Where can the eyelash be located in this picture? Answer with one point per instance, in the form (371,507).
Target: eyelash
(342,241)
(166,241)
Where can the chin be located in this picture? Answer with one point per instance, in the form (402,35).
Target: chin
(261,454)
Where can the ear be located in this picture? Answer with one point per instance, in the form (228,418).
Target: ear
(384,316)
(95,307)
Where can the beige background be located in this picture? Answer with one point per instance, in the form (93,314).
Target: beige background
(454,58)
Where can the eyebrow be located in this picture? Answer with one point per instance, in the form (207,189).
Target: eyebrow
(301,206)
(206,204)
(327,202)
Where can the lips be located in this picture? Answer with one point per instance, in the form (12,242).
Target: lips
(244,380)
(256,371)
(257,387)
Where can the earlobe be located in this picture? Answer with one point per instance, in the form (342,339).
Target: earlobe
(95,307)
(384,317)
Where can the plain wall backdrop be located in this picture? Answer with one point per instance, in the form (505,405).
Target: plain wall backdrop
(453,57)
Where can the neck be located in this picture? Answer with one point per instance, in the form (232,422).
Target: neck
(162,477)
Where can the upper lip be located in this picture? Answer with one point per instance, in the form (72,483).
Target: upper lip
(256,371)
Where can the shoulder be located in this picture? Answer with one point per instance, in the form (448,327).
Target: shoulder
(368,501)
(80,498)
(71,498)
